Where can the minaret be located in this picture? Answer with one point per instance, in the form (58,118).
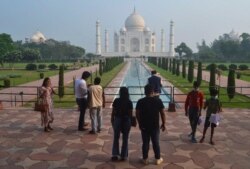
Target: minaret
(171,40)
(106,41)
(98,38)
(162,41)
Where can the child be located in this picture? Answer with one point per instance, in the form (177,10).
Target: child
(213,106)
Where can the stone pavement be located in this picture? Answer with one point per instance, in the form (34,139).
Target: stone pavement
(23,144)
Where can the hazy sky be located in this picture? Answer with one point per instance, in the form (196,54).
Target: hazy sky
(74,20)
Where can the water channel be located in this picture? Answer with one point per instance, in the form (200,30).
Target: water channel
(136,78)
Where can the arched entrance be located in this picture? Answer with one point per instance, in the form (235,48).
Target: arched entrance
(134,45)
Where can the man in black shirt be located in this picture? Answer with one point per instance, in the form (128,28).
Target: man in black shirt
(148,111)
(155,82)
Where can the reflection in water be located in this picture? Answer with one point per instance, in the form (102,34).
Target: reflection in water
(136,78)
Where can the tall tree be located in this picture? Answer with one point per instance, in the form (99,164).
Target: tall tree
(212,82)
(184,69)
(231,84)
(191,71)
(199,73)
(61,82)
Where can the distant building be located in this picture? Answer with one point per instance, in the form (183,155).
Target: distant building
(135,39)
(38,37)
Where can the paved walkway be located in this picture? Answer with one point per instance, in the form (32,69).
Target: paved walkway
(23,144)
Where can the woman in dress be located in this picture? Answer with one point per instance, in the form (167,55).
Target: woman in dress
(121,122)
(45,94)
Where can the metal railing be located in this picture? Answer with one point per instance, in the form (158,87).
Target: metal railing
(20,95)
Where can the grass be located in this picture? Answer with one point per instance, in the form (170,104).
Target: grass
(68,100)
(239,101)
(26,76)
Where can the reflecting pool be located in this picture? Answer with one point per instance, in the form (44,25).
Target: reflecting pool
(136,78)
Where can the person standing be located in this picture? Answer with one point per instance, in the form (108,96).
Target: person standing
(213,107)
(121,122)
(193,106)
(148,112)
(45,93)
(155,82)
(96,101)
(81,93)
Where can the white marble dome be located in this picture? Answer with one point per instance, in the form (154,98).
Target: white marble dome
(38,37)
(135,22)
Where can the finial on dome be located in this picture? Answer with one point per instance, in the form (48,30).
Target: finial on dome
(134,10)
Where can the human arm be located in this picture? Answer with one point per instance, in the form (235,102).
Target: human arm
(103,99)
(186,105)
(163,119)
(201,102)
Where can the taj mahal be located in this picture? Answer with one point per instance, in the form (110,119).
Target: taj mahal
(134,39)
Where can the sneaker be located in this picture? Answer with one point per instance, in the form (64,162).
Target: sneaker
(145,161)
(85,124)
(114,158)
(99,131)
(158,161)
(193,140)
(202,139)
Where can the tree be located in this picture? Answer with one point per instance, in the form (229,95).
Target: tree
(30,55)
(6,46)
(184,69)
(212,82)
(61,82)
(183,48)
(174,67)
(205,52)
(13,57)
(191,71)
(231,84)
(100,67)
(178,68)
(199,73)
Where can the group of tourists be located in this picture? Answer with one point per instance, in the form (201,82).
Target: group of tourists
(149,112)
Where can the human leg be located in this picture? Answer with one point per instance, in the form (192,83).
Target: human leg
(92,113)
(212,133)
(155,135)
(99,119)
(116,129)
(194,117)
(82,103)
(125,135)
(145,143)
(206,125)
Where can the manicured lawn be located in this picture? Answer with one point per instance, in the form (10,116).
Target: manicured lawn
(68,100)
(239,101)
(25,76)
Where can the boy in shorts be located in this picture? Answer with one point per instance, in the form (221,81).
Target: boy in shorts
(213,106)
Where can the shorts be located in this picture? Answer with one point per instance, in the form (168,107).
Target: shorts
(207,123)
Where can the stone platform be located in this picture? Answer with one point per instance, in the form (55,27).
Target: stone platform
(23,144)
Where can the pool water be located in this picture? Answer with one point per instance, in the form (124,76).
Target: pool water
(136,78)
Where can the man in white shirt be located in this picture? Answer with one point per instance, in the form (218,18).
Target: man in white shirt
(81,94)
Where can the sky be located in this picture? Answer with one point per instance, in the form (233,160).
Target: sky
(74,20)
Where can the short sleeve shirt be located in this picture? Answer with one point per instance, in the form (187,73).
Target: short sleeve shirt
(149,108)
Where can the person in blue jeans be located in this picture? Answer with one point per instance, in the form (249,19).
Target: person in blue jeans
(121,122)
(148,112)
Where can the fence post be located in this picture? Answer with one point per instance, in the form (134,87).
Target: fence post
(171,105)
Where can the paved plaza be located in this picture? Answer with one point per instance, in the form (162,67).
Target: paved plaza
(23,144)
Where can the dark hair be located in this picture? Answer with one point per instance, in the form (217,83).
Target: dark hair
(148,89)
(97,81)
(213,92)
(124,95)
(85,75)
(45,81)
(153,72)
(196,84)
